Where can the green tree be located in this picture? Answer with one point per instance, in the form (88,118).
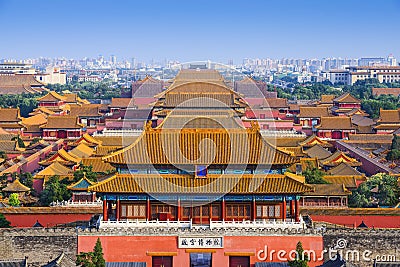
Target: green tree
(393,154)
(301,259)
(395,142)
(92,259)
(13,200)
(35,140)
(55,190)
(388,192)
(98,258)
(85,171)
(84,259)
(314,176)
(19,140)
(359,199)
(4,223)
(26,178)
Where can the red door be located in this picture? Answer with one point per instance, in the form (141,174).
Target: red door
(239,261)
(61,134)
(337,135)
(162,261)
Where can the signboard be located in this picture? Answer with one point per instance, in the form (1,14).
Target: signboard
(200,242)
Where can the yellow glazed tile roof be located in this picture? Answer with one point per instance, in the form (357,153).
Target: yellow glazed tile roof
(98,164)
(213,184)
(52,96)
(200,146)
(81,151)
(55,168)
(16,186)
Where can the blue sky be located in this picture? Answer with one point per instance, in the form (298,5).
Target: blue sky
(199,30)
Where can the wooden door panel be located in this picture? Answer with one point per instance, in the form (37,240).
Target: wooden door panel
(239,261)
(162,261)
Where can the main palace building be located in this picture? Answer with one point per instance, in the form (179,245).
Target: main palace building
(196,188)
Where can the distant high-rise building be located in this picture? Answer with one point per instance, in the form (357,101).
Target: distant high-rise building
(392,60)
(113,60)
(16,68)
(100,60)
(372,61)
(133,63)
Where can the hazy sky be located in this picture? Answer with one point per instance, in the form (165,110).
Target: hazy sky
(199,30)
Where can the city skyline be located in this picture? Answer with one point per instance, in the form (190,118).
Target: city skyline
(182,31)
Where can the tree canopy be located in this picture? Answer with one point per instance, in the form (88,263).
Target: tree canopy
(25,102)
(301,259)
(91,90)
(4,223)
(55,190)
(394,152)
(380,189)
(314,176)
(13,200)
(26,178)
(92,259)
(85,171)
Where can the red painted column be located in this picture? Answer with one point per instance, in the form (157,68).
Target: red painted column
(118,207)
(254,210)
(291,208)
(284,209)
(148,209)
(105,214)
(179,211)
(223,208)
(297,210)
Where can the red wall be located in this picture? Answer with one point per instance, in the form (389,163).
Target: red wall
(135,248)
(47,220)
(377,221)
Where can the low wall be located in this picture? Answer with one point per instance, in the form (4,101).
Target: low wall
(372,217)
(362,247)
(39,245)
(47,216)
(372,221)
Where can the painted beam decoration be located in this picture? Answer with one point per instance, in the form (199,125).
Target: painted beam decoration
(200,242)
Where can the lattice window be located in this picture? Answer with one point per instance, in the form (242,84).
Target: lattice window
(215,211)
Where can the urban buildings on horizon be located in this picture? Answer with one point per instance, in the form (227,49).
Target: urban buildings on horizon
(336,70)
(314,64)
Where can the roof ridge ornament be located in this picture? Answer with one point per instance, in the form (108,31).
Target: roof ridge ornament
(148,126)
(255,127)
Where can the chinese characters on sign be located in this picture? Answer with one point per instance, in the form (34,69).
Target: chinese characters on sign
(200,242)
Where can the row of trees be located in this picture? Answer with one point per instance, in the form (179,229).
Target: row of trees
(26,102)
(90,90)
